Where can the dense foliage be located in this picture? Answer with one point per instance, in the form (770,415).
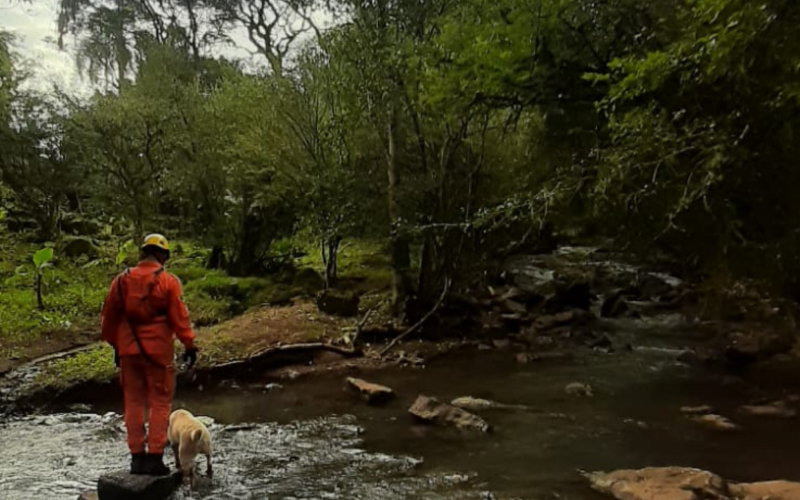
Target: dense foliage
(457,131)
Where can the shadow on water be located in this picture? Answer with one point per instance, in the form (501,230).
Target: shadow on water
(314,439)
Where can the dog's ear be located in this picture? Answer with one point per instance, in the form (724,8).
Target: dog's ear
(197,435)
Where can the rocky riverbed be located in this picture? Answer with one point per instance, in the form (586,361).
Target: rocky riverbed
(562,386)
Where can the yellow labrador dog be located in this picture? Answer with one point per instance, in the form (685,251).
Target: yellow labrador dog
(189,438)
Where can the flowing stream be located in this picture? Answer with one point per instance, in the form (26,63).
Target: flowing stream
(312,438)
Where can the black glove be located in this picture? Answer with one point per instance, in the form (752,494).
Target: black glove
(116,358)
(189,357)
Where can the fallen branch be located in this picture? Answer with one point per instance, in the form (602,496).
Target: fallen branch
(359,327)
(260,359)
(422,321)
(292,348)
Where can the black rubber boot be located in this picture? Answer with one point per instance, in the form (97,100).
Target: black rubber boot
(155,465)
(138,461)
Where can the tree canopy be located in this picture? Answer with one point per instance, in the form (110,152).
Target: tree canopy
(458,131)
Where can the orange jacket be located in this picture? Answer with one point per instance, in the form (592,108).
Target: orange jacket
(156,334)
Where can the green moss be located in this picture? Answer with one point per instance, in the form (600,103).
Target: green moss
(363,264)
(95,364)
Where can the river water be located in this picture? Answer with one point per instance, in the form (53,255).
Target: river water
(313,439)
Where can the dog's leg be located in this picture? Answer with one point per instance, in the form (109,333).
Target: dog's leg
(176,452)
(209,471)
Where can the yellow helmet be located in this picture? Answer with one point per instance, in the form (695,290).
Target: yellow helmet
(156,240)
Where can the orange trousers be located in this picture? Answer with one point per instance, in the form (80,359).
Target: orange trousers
(146,387)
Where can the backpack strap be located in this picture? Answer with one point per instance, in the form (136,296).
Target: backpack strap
(133,324)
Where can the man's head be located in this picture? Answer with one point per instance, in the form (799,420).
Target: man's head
(155,247)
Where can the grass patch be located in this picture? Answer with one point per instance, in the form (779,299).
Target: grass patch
(363,264)
(95,364)
(74,290)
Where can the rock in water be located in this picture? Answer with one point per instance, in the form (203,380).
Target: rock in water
(614,306)
(125,486)
(579,389)
(769,490)
(373,393)
(431,410)
(682,483)
(652,287)
(659,483)
(478,404)
(778,409)
(697,410)
(716,422)
(88,495)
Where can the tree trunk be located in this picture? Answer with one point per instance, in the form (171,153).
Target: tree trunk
(396,242)
(330,256)
(39,301)
(217,258)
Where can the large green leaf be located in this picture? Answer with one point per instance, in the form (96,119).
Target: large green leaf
(42,257)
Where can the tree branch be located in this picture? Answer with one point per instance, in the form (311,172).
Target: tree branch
(418,324)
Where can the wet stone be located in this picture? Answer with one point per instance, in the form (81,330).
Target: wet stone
(372,393)
(88,495)
(579,389)
(125,486)
(429,409)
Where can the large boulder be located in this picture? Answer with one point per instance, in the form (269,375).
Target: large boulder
(432,410)
(338,303)
(744,348)
(683,483)
(614,306)
(308,279)
(74,247)
(574,295)
(652,287)
(372,393)
(767,490)
(125,486)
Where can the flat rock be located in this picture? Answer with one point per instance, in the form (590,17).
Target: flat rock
(659,483)
(372,393)
(432,410)
(778,409)
(478,404)
(697,410)
(767,490)
(88,495)
(125,486)
(501,343)
(682,483)
(715,422)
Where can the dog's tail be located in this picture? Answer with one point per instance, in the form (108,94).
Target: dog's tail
(197,435)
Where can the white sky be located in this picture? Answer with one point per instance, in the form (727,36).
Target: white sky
(34,25)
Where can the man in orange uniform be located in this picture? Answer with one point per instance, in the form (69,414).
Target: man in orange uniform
(141,312)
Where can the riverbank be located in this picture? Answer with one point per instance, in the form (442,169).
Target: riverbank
(544,307)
